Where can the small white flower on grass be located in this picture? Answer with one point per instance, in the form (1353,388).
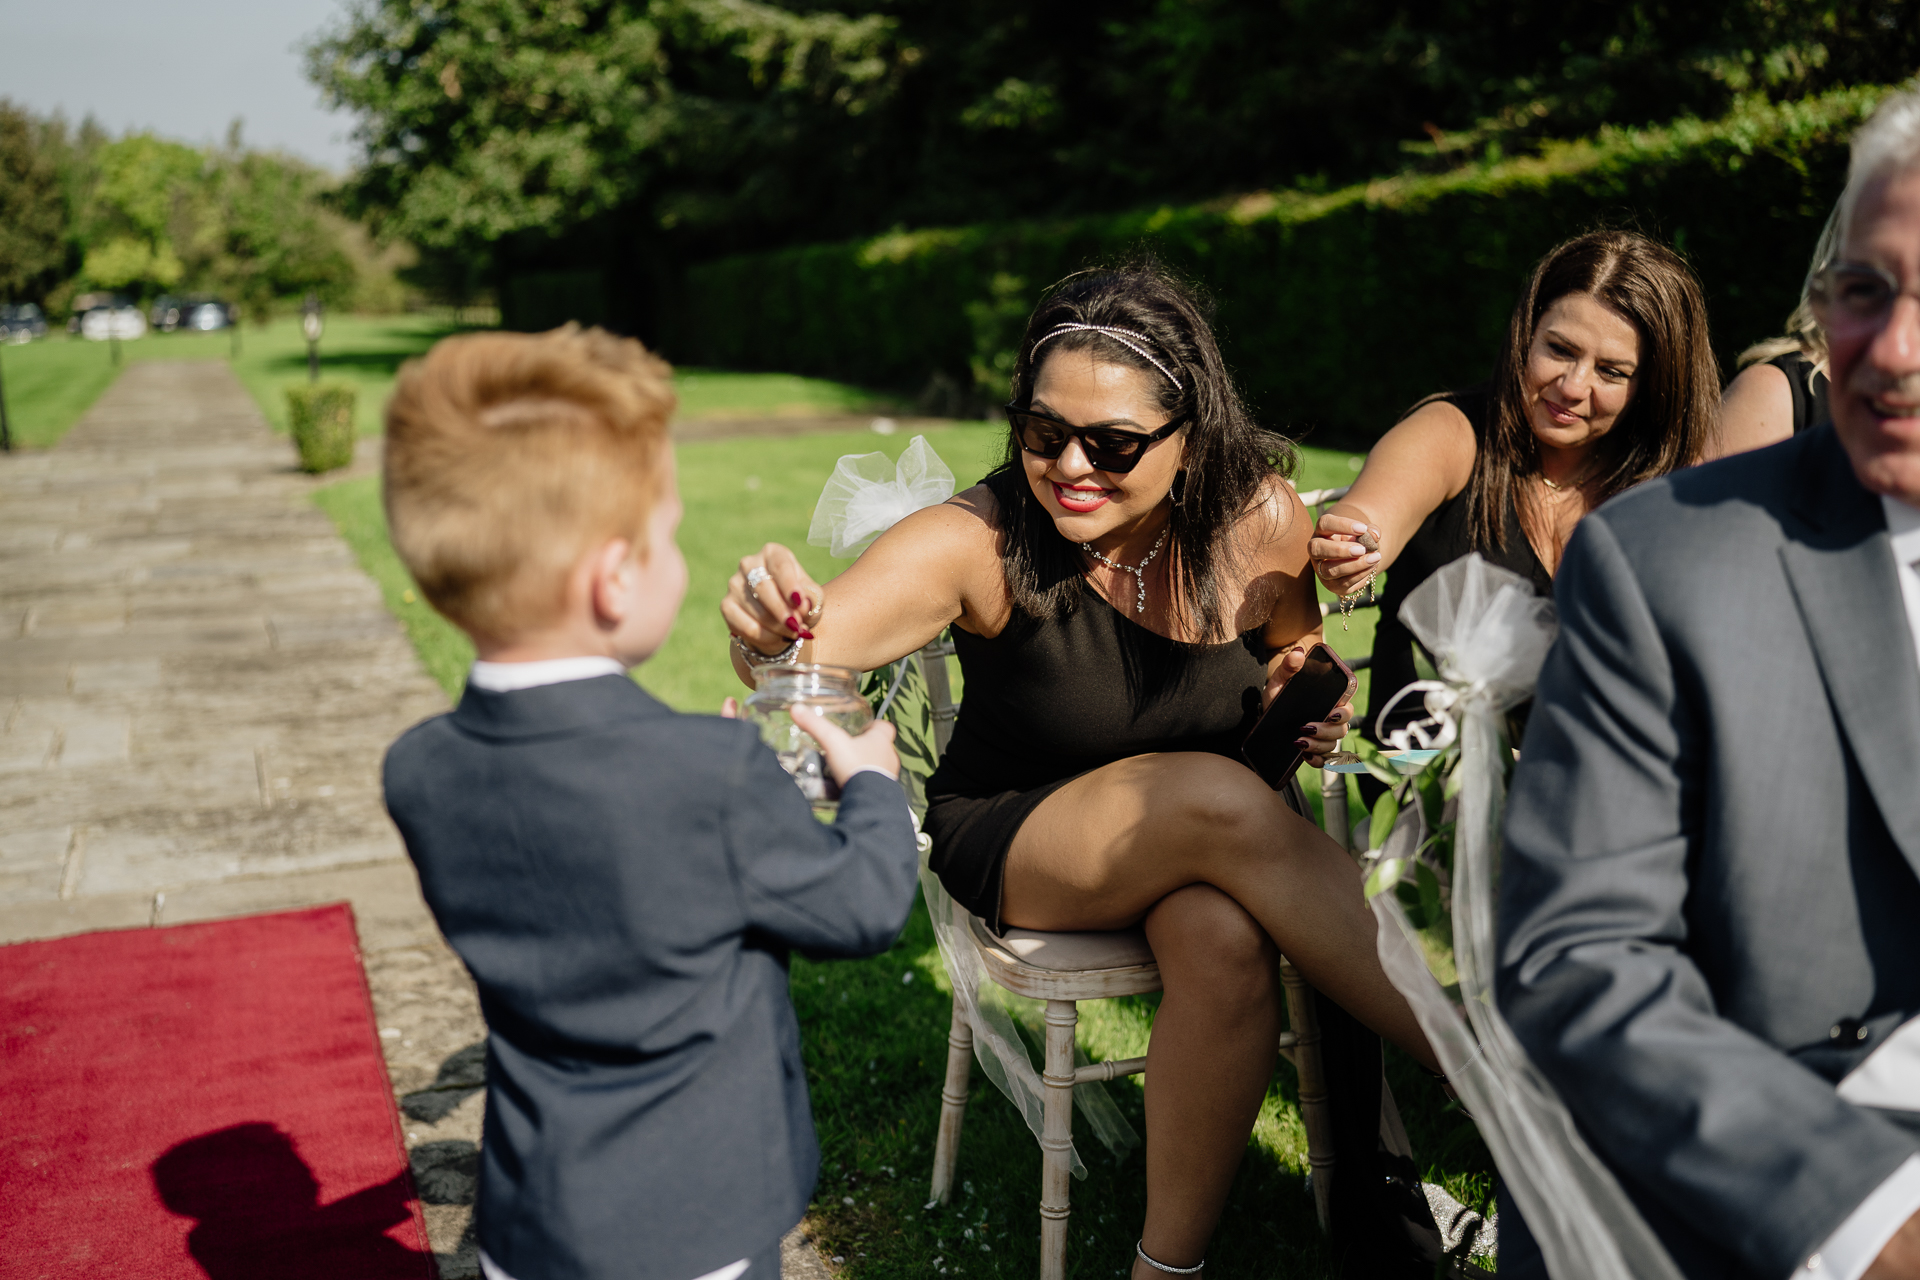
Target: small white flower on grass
(838,1259)
(906,978)
(846,1199)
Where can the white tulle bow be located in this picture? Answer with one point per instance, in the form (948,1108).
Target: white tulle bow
(867,495)
(1489,635)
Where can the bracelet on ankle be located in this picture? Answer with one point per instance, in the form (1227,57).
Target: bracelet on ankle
(757,659)
(1140,1247)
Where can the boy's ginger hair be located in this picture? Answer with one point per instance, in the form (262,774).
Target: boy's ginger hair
(509,456)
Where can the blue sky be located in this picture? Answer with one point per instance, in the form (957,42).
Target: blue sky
(181,68)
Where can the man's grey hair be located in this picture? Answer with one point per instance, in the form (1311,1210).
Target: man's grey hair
(1886,145)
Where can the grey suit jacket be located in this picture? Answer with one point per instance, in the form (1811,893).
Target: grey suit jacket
(1709,902)
(624,883)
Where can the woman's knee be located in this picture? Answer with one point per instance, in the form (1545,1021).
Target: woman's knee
(1200,935)
(1226,807)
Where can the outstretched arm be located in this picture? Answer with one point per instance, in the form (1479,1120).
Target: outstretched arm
(1422,462)
(935,567)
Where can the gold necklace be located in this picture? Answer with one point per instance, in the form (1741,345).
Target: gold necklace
(1562,488)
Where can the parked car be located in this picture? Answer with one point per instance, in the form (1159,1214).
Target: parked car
(88,302)
(23,323)
(199,313)
(102,323)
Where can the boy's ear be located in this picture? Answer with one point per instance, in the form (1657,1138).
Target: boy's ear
(609,582)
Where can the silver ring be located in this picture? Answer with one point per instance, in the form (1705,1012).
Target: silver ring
(756,576)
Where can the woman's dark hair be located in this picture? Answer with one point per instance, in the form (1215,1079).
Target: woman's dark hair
(1229,459)
(1675,407)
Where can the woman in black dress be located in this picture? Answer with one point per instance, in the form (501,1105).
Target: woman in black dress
(1781,389)
(1607,379)
(1126,592)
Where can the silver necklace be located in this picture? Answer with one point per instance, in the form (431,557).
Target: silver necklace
(1139,571)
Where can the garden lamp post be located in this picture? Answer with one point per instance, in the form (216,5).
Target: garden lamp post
(311,324)
(6,428)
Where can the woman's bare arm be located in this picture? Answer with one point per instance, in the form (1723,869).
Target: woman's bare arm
(935,567)
(1756,411)
(1421,463)
(1293,623)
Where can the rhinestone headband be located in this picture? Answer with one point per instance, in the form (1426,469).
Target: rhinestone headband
(1132,341)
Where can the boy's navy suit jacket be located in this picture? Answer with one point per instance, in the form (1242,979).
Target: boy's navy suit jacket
(624,882)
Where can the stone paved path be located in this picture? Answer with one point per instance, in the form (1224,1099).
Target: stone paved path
(197,684)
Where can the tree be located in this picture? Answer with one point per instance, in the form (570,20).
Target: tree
(33,207)
(486,119)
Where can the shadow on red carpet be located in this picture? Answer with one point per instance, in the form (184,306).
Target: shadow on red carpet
(254,1199)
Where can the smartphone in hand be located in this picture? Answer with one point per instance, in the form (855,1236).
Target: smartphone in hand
(1272,747)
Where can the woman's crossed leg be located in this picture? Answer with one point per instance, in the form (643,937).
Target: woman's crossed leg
(1222,872)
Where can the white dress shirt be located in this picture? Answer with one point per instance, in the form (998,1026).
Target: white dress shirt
(1890,1076)
(505,677)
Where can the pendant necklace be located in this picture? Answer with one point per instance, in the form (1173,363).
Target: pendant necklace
(1139,571)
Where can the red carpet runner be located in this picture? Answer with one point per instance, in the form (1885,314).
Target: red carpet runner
(204,1100)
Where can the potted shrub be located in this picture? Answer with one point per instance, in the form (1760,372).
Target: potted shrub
(321,416)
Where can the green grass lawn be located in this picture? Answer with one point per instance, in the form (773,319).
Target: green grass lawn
(714,393)
(50,383)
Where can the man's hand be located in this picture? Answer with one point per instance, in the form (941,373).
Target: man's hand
(1900,1260)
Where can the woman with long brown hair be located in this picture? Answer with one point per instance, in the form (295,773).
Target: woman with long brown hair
(1126,593)
(1606,379)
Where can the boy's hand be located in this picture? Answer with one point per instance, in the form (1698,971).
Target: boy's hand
(845,753)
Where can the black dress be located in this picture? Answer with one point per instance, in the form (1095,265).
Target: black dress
(1809,390)
(1441,539)
(1048,701)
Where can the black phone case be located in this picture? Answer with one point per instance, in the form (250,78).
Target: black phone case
(1272,748)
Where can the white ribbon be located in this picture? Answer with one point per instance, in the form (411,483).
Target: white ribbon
(1489,633)
(867,494)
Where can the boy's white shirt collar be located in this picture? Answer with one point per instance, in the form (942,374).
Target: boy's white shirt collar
(505,677)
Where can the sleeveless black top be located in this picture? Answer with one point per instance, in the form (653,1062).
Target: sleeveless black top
(1047,701)
(1442,538)
(1808,387)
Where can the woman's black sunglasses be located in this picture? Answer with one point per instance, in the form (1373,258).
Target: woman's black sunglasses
(1107,448)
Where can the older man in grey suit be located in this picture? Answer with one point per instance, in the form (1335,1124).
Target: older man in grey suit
(1710,913)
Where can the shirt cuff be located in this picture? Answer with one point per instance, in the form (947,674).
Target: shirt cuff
(872,768)
(1851,1249)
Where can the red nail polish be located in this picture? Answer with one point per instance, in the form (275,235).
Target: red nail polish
(1301,742)
(792,625)
(806,635)
(796,598)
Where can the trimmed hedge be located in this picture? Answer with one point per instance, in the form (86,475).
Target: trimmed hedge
(1338,309)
